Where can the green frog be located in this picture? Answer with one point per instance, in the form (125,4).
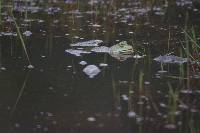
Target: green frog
(121,51)
(121,48)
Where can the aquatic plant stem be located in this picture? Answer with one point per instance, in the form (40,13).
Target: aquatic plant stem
(187,51)
(116,92)
(168,41)
(172,103)
(21,38)
(0,12)
(20,94)
(26,12)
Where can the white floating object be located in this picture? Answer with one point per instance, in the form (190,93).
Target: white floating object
(91,119)
(125,97)
(96,25)
(27,33)
(3,68)
(131,114)
(91,71)
(17,125)
(103,65)
(83,63)
(138,56)
(30,66)
(170,126)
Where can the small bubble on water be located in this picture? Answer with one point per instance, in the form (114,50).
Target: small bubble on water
(17,125)
(125,97)
(193,110)
(38,126)
(83,63)
(45,129)
(163,105)
(30,66)
(91,119)
(139,119)
(170,126)
(183,106)
(54,122)
(147,83)
(131,114)
(103,65)
(3,68)
(50,88)
(101,125)
(49,114)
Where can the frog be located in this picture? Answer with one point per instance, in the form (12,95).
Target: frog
(121,48)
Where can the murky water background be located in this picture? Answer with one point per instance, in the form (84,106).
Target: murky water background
(126,96)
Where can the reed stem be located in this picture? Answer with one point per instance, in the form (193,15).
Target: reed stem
(21,38)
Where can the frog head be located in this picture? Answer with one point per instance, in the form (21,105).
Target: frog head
(122,48)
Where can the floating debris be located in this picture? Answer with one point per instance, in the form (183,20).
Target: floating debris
(49,114)
(17,125)
(91,119)
(83,63)
(125,97)
(171,59)
(30,66)
(8,34)
(91,71)
(3,68)
(45,129)
(91,43)
(96,25)
(76,52)
(170,126)
(27,33)
(103,65)
(131,114)
(137,56)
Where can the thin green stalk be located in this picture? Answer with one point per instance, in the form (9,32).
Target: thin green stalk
(187,50)
(26,12)
(141,80)
(181,68)
(191,39)
(168,41)
(172,103)
(0,12)
(116,92)
(20,94)
(21,38)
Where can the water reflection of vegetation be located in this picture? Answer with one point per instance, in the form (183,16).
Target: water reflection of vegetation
(142,95)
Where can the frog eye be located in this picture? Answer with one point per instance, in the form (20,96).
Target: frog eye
(121,45)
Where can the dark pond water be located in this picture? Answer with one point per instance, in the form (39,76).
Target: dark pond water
(136,95)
